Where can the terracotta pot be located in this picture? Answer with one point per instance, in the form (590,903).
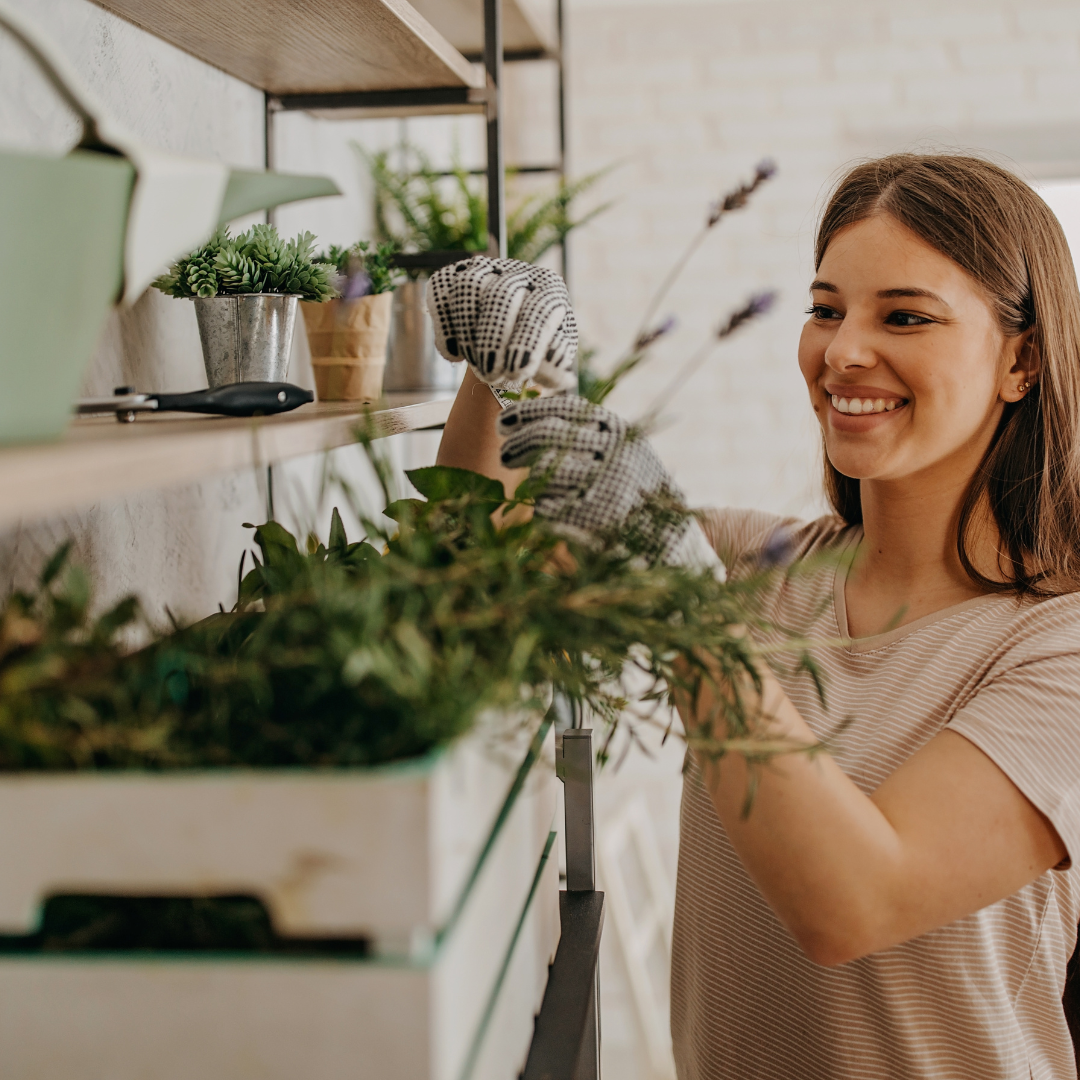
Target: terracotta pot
(348,340)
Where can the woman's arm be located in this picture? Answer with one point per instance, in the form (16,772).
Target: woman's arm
(851,874)
(470,441)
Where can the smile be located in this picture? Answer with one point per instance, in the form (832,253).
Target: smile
(861,406)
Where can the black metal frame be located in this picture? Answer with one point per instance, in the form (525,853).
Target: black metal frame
(566,1041)
(456,98)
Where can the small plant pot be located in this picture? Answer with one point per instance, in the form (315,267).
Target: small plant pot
(413,363)
(348,346)
(246,338)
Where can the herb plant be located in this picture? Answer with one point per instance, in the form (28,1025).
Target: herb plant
(256,261)
(422,209)
(363,269)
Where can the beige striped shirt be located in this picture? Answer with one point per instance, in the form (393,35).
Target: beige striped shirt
(979,999)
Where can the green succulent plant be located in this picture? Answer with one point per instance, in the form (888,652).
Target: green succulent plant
(256,261)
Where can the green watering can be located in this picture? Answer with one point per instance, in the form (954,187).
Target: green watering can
(119,212)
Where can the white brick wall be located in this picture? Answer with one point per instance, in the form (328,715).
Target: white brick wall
(689,96)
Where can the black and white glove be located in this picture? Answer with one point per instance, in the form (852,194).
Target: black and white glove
(596,475)
(510,320)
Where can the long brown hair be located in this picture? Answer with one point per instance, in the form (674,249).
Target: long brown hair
(997,229)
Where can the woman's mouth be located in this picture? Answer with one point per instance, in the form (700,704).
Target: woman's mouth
(862,406)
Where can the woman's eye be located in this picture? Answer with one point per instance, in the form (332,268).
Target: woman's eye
(907,318)
(820,311)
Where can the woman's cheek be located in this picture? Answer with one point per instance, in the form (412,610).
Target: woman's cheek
(811,354)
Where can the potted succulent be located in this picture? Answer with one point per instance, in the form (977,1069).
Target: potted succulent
(348,335)
(420,209)
(246,289)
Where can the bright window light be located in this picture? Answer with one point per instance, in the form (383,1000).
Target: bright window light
(1063,197)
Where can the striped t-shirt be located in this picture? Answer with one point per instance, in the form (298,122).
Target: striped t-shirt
(979,999)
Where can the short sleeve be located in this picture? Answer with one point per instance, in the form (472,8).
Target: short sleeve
(733,533)
(1027,721)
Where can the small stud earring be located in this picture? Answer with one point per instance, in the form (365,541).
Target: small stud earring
(1023,388)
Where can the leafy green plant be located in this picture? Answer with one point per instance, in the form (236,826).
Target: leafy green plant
(346,654)
(256,261)
(422,209)
(365,269)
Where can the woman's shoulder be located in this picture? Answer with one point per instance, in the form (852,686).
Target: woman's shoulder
(736,534)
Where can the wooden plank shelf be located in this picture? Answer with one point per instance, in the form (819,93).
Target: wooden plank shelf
(99,458)
(461,22)
(308,46)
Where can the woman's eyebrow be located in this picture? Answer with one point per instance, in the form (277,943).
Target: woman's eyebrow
(889,294)
(823,286)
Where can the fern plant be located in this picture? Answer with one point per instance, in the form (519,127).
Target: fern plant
(422,209)
(256,261)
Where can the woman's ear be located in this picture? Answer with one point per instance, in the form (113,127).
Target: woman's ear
(1022,352)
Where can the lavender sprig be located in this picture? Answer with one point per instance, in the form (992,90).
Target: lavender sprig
(758,304)
(733,200)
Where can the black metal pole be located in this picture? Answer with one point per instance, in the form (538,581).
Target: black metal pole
(561,44)
(496,180)
(271,107)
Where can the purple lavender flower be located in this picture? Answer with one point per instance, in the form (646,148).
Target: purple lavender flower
(737,199)
(777,550)
(649,336)
(758,304)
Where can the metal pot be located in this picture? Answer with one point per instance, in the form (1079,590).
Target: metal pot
(246,338)
(413,363)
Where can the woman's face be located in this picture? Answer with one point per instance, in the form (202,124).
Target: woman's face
(907,368)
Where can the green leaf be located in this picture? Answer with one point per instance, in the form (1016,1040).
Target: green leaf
(55,564)
(338,540)
(278,545)
(438,482)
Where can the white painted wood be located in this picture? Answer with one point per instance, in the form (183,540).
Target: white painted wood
(272,1019)
(156,1019)
(100,459)
(381,852)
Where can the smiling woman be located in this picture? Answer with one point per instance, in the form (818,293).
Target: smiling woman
(905,905)
(902,903)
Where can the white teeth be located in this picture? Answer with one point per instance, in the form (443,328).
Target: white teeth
(862,406)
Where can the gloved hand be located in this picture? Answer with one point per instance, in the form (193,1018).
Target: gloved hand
(596,475)
(511,321)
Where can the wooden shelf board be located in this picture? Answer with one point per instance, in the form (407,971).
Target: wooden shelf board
(461,22)
(307,46)
(100,459)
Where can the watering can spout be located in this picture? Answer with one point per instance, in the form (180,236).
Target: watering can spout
(177,201)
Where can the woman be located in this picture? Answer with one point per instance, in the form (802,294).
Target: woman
(904,905)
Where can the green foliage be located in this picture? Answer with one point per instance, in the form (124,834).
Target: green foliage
(423,210)
(374,262)
(256,261)
(352,653)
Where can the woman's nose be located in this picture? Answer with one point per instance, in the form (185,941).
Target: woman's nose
(851,347)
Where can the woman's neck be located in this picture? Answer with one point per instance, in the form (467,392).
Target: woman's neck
(907,564)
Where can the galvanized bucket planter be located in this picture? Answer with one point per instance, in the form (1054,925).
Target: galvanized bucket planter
(246,338)
(413,363)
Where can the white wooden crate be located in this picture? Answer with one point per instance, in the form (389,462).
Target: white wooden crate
(428,1012)
(382,852)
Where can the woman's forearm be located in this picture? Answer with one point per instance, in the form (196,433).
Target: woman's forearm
(470,440)
(850,874)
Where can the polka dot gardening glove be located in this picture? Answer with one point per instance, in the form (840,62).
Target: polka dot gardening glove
(596,475)
(510,320)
